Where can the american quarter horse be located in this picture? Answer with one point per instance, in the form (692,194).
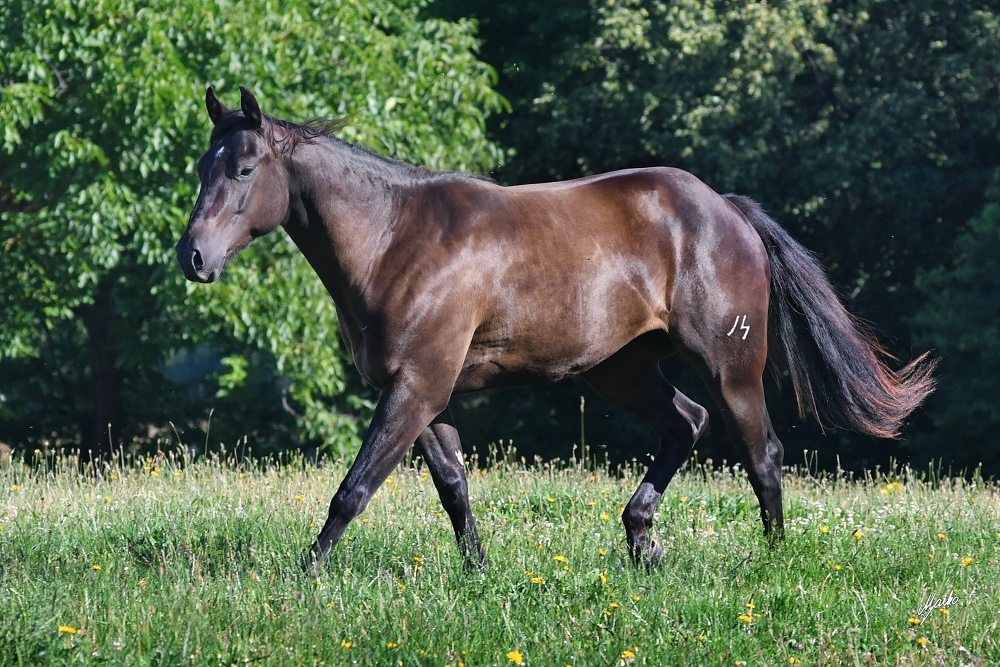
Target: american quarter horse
(446,283)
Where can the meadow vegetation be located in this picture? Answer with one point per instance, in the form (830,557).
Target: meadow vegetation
(165,560)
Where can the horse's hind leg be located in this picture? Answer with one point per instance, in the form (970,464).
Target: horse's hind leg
(732,367)
(631,379)
(442,450)
(740,394)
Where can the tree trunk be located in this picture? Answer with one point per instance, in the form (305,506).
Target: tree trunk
(103,435)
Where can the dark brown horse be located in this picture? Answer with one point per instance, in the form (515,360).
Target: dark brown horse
(445,283)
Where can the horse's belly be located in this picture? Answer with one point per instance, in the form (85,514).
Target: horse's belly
(553,342)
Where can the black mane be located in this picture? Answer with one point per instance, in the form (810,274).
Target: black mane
(326,128)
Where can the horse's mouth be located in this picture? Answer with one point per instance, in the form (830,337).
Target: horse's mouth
(234,250)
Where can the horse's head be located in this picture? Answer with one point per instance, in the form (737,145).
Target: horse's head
(244,188)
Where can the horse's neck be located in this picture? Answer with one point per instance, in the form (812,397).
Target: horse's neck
(342,208)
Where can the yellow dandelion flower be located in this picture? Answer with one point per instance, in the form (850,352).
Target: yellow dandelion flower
(745,618)
(914,620)
(606,612)
(600,552)
(67,629)
(824,529)
(614,605)
(604,578)
(559,559)
(701,638)
(892,487)
(792,660)
(944,611)
(113,478)
(751,605)
(537,580)
(857,535)
(418,560)
(591,503)
(516,657)
(345,644)
(836,568)
(605,517)
(14,487)
(97,568)
(567,568)
(966,561)
(635,598)
(942,536)
(683,499)
(922,641)
(551,500)
(401,587)
(301,499)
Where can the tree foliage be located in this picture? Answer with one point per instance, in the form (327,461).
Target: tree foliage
(961,318)
(102,116)
(868,127)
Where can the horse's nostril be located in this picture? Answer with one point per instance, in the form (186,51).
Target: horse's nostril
(196,261)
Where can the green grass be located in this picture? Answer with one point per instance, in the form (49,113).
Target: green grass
(164,563)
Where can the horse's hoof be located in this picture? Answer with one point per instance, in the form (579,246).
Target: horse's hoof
(477,564)
(649,556)
(653,557)
(311,564)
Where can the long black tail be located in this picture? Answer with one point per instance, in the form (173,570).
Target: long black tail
(836,365)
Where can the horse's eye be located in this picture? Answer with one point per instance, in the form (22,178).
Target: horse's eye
(246,171)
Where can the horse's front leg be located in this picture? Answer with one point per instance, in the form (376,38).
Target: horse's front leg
(407,406)
(442,451)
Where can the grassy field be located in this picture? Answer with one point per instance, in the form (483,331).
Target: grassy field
(162,562)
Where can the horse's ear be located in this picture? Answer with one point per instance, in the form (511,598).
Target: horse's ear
(250,107)
(216,109)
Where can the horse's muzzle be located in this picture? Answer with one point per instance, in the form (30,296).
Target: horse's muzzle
(193,262)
